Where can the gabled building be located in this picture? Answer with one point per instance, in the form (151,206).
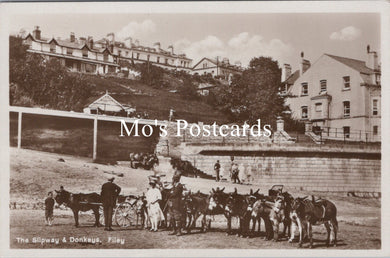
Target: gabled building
(216,68)
(337,97)
(79,55)
(133,52)
(107,105)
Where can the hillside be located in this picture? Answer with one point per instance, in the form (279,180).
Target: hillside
(156,102)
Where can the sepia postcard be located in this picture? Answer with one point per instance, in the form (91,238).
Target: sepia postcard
(195,129)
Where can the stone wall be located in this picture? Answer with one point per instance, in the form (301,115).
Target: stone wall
(300,169)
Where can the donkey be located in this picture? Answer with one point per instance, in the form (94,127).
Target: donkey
(281,214)
(261,210)
(312,212)
(80,202)
(238,206)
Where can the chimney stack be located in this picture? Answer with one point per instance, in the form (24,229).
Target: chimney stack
(83,40)
(72,37)
(286,71)
(372,59)
(37,32)
(157,46)
(170,48)
(90,42)
(305,64)
(111,37)
(128,42)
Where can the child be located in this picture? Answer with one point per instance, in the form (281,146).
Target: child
(49,205)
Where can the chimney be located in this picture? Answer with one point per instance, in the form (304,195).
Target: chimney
(372,59)
(305,64)
(72,37)
(225,60)
(170,48)
(128,42)
(111,37)
(90,42)
(137,43)
(82,40)
(157,46)
(37,33)
(286,72)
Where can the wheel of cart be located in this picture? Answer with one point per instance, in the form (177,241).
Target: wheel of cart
(125,214)
(275,190)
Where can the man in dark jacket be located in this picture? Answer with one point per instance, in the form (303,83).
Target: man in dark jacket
(217,167)
(110,192)
(176,205)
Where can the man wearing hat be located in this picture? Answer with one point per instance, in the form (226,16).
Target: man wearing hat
(175,204)
(110,192)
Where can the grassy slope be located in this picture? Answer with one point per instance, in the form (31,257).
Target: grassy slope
(156,102)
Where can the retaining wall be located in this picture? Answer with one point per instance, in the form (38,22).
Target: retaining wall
(297,168)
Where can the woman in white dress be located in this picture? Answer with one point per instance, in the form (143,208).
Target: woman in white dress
(153,196)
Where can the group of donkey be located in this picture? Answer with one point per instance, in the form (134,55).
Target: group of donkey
(274,210)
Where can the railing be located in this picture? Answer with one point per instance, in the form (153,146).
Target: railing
(340,134)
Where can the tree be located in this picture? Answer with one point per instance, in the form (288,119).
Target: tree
(35,80)
(189,89)
(254,94)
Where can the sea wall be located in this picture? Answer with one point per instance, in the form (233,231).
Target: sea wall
(311,169)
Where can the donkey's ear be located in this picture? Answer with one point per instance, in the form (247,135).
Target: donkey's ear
(235,190)
(303,198)
(56,191)
(213,190)
(222,189)
(251,192)
(257,191)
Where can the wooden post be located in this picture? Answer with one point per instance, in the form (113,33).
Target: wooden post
(19,130)
(94,155)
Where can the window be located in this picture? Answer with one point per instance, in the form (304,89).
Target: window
(85,52)
(374,107)
(105,57)
(166,61)
(378,79)
(283,89)
(347,84)
(137,56)
(119,53)
(69,51)
(127,53)
(305,89)
(148,57)
(52,47)
(204,65)
(322,86)
(347,109)
(318,107)
(304,114)
(158,59)
(375,130)
(346,130)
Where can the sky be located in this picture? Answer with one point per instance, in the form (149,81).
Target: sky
(239,37)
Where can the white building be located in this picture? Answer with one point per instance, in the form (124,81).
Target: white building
(134,52)
(79,55)
(337,95)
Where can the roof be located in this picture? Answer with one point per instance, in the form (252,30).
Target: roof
(219,63)
(355,64)
(292,78)
(68,43)
(109,103)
